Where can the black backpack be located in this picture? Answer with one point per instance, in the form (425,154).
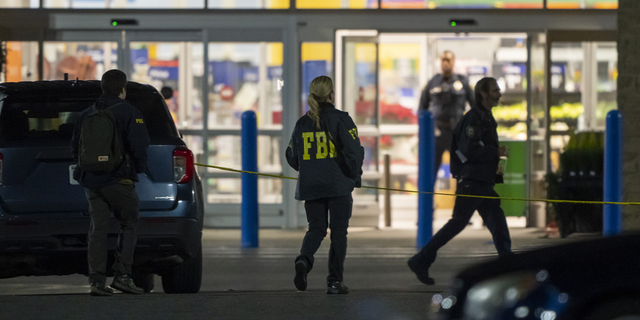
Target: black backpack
(100,148)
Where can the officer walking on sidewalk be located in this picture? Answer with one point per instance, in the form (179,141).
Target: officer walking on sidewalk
(325,149)
(112,190)
(475,164)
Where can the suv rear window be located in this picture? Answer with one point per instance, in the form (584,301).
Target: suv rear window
(53,122)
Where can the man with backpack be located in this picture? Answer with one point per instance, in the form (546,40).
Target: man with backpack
(110,141)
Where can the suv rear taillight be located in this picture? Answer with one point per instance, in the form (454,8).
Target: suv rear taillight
(182,165)
(1,165)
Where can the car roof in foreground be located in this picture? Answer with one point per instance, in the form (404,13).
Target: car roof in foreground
(614,252)
(80,88)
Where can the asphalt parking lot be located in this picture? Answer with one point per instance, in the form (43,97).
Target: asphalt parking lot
(258,283)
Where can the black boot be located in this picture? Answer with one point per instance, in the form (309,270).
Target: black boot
(421,272)
(336,287)
(100,290)
(124,283)
(301,275)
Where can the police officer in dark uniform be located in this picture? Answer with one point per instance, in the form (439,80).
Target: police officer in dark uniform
(325,149)
(474,163)
(445,96)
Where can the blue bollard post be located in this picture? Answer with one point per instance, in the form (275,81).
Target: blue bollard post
(612,213)
(249,220)
(426,176)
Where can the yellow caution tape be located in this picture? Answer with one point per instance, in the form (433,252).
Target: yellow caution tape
(434,193)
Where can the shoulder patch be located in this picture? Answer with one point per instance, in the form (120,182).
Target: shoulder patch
(139,121)
(472,132)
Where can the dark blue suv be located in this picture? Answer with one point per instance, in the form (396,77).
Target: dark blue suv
(44,217)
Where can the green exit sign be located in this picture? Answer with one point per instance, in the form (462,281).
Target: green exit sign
(462,22)
(124,22)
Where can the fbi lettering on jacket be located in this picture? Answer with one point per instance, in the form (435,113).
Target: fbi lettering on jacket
(318,142)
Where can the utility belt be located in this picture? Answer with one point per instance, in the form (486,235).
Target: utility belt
(447,124)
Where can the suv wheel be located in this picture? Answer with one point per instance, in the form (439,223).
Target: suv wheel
(143,280)
(185,277)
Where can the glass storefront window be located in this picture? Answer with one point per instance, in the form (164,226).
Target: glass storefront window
(466,4)
(125,4)
(584,76)
(245,76)
(607,81)
(582,4)
(403,149)
(566,82)
(317,60)
(360,82)
(399,85)
(370,145)
(22,64)
(404,159)
(161,65)
(81,60)
(337,4)
(248,4)
(229,190)
(224,190)
(20,4)
(225,151)
(194,143)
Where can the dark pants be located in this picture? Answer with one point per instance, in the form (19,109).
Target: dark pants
(464,208)
(443,142)
(123,201)
(338,210)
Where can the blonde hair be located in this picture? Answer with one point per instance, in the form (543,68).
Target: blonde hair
(319,90)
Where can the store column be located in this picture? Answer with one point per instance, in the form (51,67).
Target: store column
(629,106)
(290,114)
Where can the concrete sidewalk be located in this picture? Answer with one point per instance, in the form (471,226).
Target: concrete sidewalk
(472,240)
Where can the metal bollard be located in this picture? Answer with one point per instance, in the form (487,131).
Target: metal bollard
(426,162)
(612,213)
(249,206)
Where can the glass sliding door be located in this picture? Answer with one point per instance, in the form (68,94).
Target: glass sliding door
(581,75)
(359,88)
(243,76)
(583,82)
(21,61)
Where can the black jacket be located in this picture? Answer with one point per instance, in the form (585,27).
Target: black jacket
(446,99)
(475,147)
(133,132)
(328,166)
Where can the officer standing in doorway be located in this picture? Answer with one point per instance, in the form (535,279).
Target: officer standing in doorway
(445,95)
(475,163)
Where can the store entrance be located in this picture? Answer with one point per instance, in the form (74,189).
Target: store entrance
(582,73)
(379,79)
